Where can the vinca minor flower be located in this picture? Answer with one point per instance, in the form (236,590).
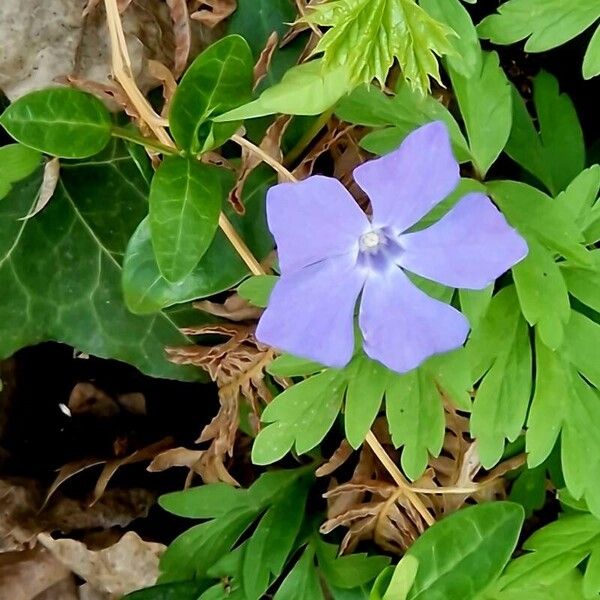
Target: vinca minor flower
(330,253)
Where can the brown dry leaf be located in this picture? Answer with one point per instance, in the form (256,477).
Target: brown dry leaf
(237,366)
(87,399)
(212,12)
(263,63)
(69,470)
(182,34)
(167,80)
(179,457)
(337,459)
(22,518)
(128,565)
(271,144)
(47,187)
(235,308)
(65,589)
(27,574)
(133,402)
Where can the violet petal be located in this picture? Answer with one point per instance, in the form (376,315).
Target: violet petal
(406,184)
(402,326)
(469,247)
(311,312)
(313,219)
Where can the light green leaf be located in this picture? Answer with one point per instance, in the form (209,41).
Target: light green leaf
(18,162)
(306,89)
(302,582)
(474,304)
(580,195)
(367,384)
(147,292)
(416,419)
(367,35)
(465,552)
(204,502)
(467,59)
(485,104)
(591,60)
(550,23)
(402,579)
(406,111)
(301,416)
(59,121)
(582,339)
(60,273)
(287,365)
(585,283)
(543,294)
(555,550)
(537,216)
(451,373)
(568,587)
(219,79)
(257,289)
(501,353)
(555,155)
(185,203)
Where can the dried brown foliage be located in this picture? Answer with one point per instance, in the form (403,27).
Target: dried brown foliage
(212,12)
(237,366)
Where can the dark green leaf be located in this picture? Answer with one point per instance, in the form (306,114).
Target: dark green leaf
(257,289)
(60,272)
(59,121)
(180,590)
(464,553)
(185,203)
(219,79)
(529,489)
(147,292)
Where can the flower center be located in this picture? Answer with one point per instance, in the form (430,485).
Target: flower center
(370,241)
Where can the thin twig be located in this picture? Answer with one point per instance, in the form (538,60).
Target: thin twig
(260,153)
(397,476)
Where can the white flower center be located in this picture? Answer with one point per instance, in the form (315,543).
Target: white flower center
(370,241)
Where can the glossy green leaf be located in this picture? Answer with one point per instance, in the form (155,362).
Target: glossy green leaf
(219,79)
(529,489)
(147,292)
(568,587)
(17,162)
(302,582)
(256,20)
(60,272)
(59,121)
(467,59)
(301,416)
(546,23)
(367,36)
(307,89)
(556,154)
(402,579)
(543,294)
(591,60)
(366,387)
(501,356)
(257,289)
(465,552)
(485,103)
(205,501)
(185,203)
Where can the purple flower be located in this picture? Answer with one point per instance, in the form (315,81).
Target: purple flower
(330,252)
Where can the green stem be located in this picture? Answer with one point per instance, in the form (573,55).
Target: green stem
(130,136)
(307,138)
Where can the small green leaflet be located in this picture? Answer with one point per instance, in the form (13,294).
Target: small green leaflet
(568,587)
(394,583)
(501,360)
(555,550)
(556,154)
(306,89)
(591,60)
(59,121)
(461,555)
(18,162)
(257,289)
(405,111)
(185,203)
(219,79)
(366,36)
(546,23)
